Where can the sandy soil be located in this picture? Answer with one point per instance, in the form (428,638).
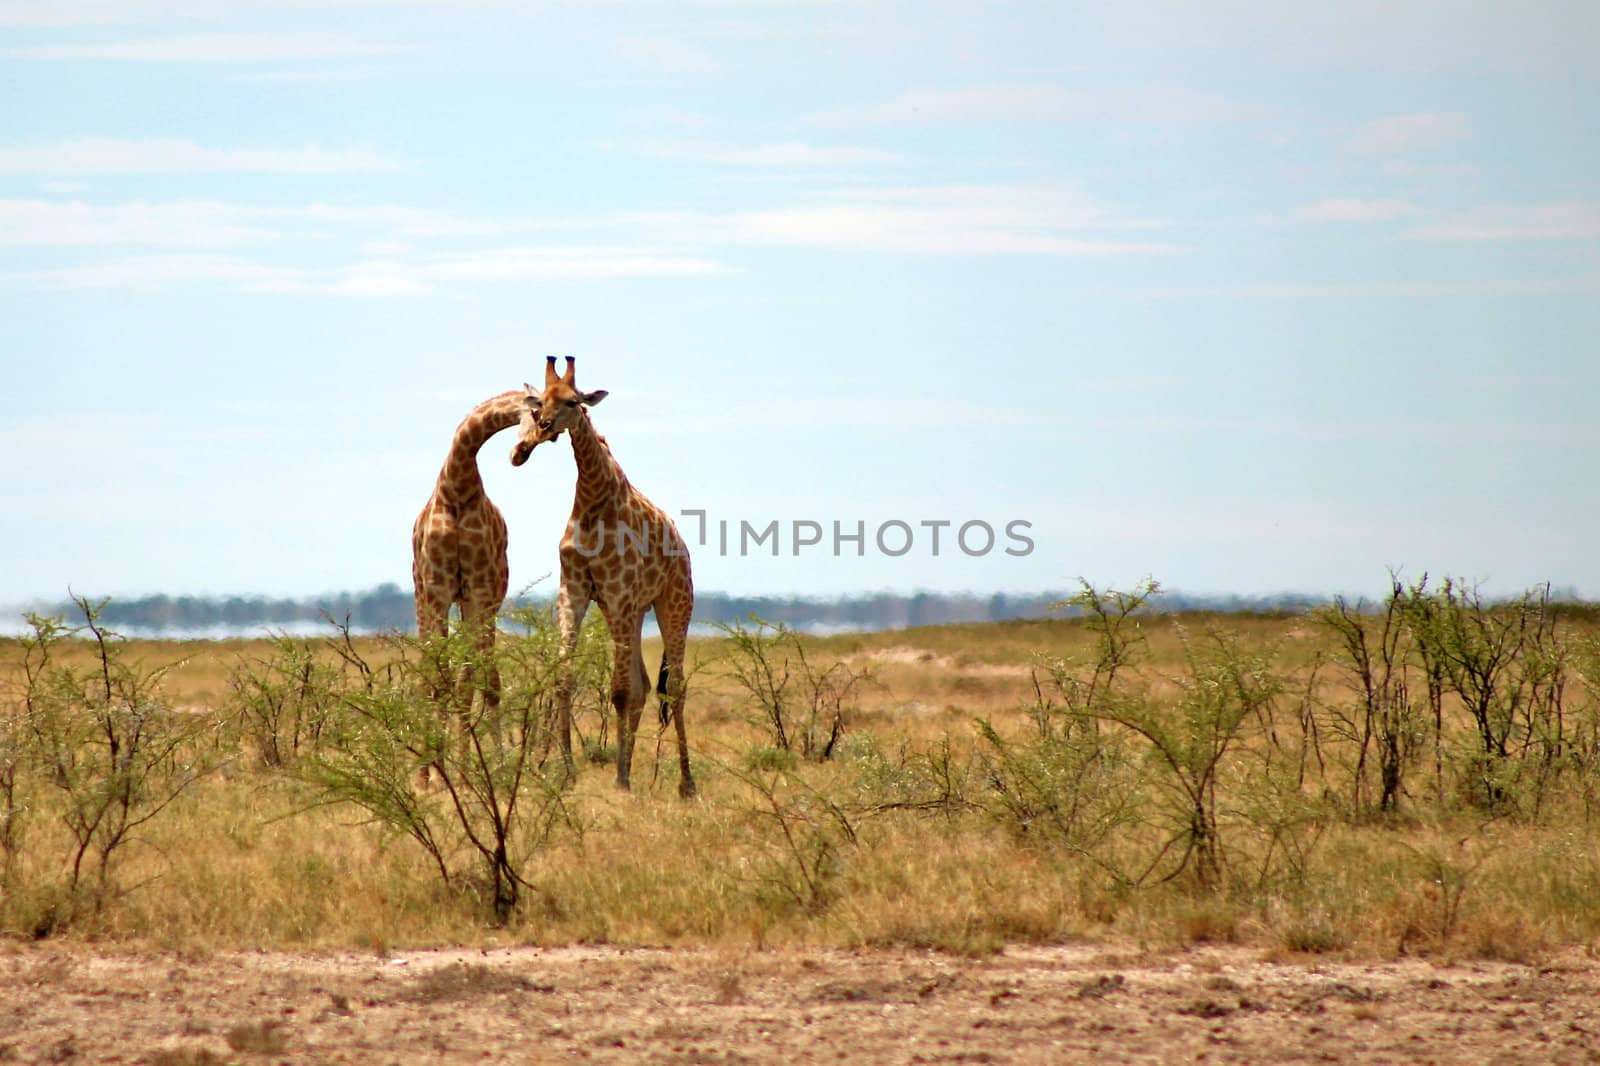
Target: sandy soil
(1028,1005)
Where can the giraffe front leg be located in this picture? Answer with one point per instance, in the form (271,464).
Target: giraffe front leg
(639,691)
(571,606)
(626,699)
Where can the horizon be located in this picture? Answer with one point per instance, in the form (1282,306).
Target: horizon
(1251,304)
(1557,592)
(372,611)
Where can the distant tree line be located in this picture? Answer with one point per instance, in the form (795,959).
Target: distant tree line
(389,606)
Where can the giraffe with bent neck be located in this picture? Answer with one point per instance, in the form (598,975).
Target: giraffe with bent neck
(458,543)
(622,553)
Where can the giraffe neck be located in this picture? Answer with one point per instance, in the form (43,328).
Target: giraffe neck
(459,481)
(600,479)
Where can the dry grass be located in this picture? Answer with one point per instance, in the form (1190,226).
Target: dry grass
(242,860)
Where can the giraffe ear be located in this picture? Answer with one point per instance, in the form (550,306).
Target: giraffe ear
(589,399)
(533,393)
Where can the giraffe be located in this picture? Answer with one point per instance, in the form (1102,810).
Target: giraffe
(458,544)
(622,553)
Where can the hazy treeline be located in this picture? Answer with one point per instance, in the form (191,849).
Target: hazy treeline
(390,607)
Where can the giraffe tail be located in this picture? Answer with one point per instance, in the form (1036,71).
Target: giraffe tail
(661,690)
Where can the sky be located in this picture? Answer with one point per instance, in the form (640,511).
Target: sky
(1251,298)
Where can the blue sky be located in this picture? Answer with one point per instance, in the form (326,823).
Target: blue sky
(1248,297)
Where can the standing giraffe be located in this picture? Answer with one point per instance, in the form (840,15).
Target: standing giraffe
(621,552)
(458,544)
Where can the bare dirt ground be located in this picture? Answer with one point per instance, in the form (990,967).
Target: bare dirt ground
(1027,1005)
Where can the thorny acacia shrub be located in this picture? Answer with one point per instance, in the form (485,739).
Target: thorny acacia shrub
(1232,772)
(800,703)
(1106,745)
(89,755)
(285,700)
(534,643)
(460,775)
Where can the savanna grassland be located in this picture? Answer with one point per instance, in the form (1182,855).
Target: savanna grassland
(1416,778)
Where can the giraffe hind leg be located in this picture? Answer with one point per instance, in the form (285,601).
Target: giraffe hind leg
(661,690)
(624,683)
(673,685)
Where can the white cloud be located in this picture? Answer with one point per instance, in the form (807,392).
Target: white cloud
(385,249)
(106,155)
(1354,211)
(658,116)
(899,229)
(215,48)
(775,413)
(404,221)
(1410,168)
(527,264)
(150,271)
(55,13)
(1516,222)
(941,220)
(187,223)
(310,75)
(788,154)
(930,220)
(1400,134)
(663,55)
(1053,203)
(1570,284)
(104,12)
(379,277)
(178,224)
(1496,222)
(393,276)
(1141,104)
(1411,39)
(378,240)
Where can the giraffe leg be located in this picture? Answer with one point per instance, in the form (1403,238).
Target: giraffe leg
(571,606)
(432,626)
(625,667)
(433,614)
(639,691)
(433,622)
(673,685)
(638,695)
(494,598)
(425,591)
(491,692)
(480,663)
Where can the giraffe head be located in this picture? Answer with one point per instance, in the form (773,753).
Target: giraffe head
(547,414)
